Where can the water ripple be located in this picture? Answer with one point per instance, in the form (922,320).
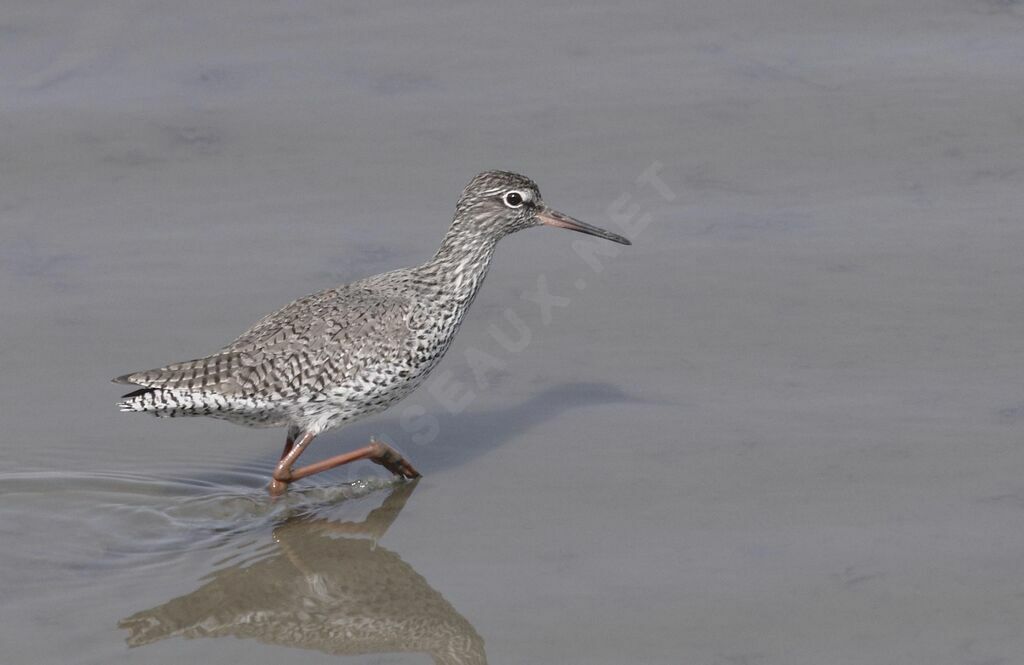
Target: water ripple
(100,520)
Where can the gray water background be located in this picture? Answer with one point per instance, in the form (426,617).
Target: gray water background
(785,427)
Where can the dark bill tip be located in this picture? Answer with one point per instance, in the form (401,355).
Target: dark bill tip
(554,218)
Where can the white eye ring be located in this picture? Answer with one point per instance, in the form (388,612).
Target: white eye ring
(515,199)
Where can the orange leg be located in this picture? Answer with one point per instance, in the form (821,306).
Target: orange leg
(377,452)
(289,443)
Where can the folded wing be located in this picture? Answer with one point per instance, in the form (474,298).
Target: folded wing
(314,342)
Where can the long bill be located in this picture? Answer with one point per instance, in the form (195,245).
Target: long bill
(554,218)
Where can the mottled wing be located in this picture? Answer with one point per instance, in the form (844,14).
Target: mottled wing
(199,374)
(325,340)
(314,343)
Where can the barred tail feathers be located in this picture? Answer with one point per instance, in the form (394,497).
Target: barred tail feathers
(165,403)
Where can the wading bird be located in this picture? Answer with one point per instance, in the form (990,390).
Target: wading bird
(354,350)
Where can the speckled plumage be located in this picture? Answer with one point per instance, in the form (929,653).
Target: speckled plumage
(356,349)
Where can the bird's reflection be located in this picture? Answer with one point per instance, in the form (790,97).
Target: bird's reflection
(326,586)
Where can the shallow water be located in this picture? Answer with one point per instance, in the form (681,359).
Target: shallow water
(783,428)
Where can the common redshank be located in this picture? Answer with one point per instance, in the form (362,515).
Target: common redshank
(354,350)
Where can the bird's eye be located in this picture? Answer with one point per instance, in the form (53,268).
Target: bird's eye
(514,199)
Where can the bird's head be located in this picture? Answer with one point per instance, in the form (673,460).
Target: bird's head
(497,203)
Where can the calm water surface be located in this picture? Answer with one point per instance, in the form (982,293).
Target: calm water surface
(785,427)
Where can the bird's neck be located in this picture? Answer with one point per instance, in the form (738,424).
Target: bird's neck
(461,263)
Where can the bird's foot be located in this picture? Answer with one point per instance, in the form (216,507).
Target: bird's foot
(392,460)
